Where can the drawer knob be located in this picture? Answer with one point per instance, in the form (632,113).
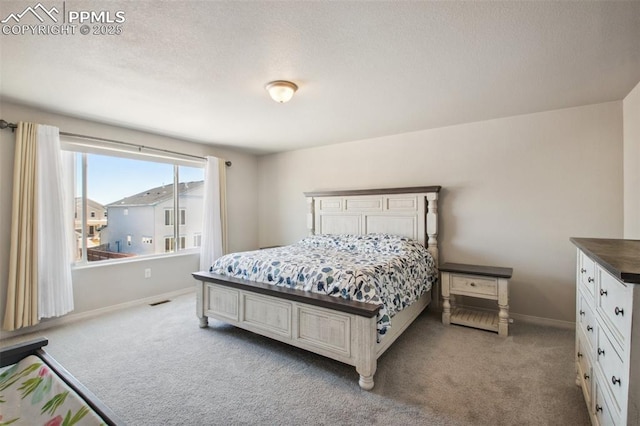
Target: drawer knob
(589,328)
(619,311)
(599,408)
(603,292)
(615,381)
(582,270)
(600,351)
(590,280)
(586,376)
(472,284)
(581,312)
(579,354)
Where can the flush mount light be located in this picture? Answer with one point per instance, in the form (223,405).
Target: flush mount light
(281,91)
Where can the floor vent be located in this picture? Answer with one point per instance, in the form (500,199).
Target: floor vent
(159,303)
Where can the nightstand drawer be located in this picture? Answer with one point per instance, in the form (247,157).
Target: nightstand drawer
(474,286)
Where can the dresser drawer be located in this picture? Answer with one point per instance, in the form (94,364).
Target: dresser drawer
(586,273)
(585,368)
(605,413)
(586,319)
(614,303)
(474,286)
(615,375)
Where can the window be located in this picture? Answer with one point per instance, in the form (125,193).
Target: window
(168,217)
(137,194)
(197,240)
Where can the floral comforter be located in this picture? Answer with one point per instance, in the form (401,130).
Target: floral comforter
(31,394)
(387,270)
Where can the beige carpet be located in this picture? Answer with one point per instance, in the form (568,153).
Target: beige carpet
(155,366)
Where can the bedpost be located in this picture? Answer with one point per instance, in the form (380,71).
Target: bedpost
(310,218)
(432,225)
(203,319)
(366,358)
(432,242)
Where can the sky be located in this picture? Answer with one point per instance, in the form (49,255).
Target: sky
(110,179)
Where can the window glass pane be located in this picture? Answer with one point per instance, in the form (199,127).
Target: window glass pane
(126,199)
(190,200)
(129,207)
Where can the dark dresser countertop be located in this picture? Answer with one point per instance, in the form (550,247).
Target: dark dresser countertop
(620,257)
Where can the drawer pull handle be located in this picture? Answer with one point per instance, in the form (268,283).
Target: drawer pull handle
(590,280)
(598,408)
(589,328)
(581,312)
(582,270)
(586,376)
(579,354)
(472,284)
(600,351)
(615,381)
(619,311)
(603,292)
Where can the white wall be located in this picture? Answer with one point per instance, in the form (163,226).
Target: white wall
(97,287)
(631,105)
(514,191)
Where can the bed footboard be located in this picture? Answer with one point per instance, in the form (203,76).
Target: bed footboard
(342,330)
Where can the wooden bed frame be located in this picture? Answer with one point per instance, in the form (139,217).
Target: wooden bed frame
(13,354)
(336,328)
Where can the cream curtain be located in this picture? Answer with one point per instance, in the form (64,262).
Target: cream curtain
(214,227)
(22,291)
(39,282)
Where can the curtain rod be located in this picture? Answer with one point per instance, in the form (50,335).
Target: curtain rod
(6,125)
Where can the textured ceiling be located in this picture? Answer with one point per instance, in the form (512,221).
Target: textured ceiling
(197,70)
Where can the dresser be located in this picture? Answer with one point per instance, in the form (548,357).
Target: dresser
(607,351)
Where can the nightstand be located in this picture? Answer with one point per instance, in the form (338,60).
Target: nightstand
(484,282)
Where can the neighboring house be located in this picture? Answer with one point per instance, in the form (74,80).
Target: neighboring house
(143,223)
(96,220)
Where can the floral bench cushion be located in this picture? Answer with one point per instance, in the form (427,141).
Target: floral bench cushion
(32,394)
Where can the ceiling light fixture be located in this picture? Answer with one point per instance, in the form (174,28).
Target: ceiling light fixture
(281,91)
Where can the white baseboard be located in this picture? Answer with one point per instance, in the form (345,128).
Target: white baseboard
(568,325)
(55,322)
(529,319)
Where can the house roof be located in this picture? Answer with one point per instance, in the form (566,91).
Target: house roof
(92,204)
(156,195)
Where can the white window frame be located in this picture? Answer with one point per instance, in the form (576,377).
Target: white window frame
(91,147)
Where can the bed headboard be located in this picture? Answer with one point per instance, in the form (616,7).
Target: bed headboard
(409,212)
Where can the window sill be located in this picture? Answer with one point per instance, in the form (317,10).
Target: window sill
(97,264)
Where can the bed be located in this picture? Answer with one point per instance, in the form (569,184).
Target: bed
(341,328)
(36,389)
